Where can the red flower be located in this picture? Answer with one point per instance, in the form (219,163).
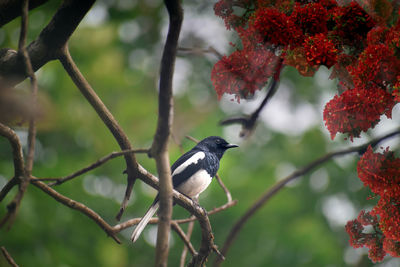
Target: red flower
(276,27)
(392,247)
(388,210)
(357,110)
(311,18)
(223,8)
(320,51)
(373,241)
(377,65)
(352,24)
(243,72)
(380,172)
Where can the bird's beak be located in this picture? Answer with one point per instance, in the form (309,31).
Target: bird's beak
(231,146)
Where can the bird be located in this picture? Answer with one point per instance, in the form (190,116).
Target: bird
(191,173)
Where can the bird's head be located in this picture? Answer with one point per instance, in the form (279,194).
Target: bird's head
(215,144)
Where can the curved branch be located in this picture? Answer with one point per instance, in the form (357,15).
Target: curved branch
(101,161)
(47,45)
(19,175)
(77,206)
(108,119)
(279,185)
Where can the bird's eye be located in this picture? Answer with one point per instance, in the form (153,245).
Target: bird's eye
(218,141)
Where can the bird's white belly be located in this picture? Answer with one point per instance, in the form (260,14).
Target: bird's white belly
(195,184)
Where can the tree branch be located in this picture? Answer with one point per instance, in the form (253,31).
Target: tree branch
(34,87)
(8,257)
(77,206)
(108,119)
(279,185)
(101,161)
(159,149)
(184,237)
(19,175)
(48,44)
(185,248)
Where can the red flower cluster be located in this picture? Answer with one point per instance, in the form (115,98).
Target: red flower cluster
(352,24)
(311,18)
(243,72)
(373,240)
(381,173)
(320,51)
(377,65)
(276,27)
(357,110)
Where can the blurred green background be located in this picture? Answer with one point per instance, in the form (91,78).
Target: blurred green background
(118,48)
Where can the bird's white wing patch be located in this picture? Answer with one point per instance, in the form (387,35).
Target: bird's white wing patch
(192,160)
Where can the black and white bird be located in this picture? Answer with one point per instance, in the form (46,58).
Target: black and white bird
(191,173)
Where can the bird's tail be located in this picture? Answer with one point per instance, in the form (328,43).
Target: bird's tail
(144,221)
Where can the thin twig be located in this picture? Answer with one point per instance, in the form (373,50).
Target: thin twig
(77,206)
(108,119)
(8,257)
(227,193)
(199,51)
(189,235)
(279,185)
(184,237)
(101,161)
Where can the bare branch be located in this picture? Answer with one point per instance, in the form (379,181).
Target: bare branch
(279,185)
(185,248)
(18,156)
(159,149)
(249,122)
(48,44)
(34,86)
(108,119)
(77,206)
(184,237)
(101,161)
(8,257)
(19,177)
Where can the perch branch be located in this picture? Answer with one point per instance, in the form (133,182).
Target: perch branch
(108,119)
(279,185)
